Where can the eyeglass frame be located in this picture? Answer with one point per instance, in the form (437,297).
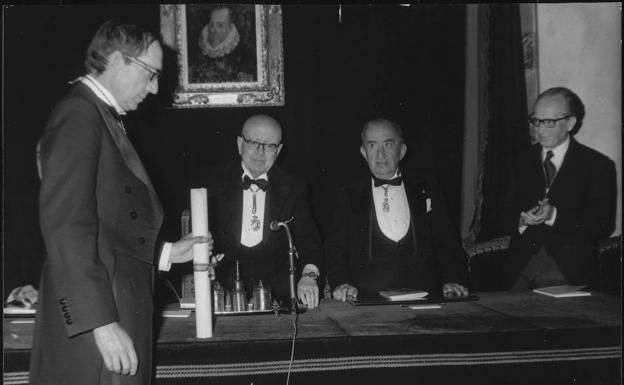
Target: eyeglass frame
(548,123)
(154,73)
(271,147)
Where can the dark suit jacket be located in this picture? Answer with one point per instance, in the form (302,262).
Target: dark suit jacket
(99,218)
(439,258)
(584,193)
(286,198)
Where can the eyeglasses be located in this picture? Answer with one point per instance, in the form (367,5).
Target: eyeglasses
(548,123)
(266,147)
(154,73)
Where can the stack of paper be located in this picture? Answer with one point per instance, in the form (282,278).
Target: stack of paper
(404,295)
(563,291)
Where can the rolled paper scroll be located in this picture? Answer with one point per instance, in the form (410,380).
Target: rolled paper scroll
(201,258)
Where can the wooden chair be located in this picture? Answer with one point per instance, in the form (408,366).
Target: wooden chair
(486,263)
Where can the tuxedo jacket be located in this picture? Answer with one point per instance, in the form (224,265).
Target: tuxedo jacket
(438,257)
(584,193)
(286,198)
(100,218)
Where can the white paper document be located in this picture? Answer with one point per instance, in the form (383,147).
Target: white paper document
(563,291)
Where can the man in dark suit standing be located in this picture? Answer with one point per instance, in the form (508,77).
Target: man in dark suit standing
(100,218)
(392,230)
(245,198)
(564,203)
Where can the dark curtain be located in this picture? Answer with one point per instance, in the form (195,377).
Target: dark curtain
(507,131)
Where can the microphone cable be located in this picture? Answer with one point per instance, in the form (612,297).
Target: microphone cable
(292,349)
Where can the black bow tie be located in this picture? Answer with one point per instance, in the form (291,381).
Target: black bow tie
(261,183)
(394,182)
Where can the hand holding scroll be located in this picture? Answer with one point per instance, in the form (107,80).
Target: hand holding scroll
(181,251)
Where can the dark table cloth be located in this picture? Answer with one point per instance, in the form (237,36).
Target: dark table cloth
(503,338)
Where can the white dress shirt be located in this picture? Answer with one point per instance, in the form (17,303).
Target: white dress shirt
(394,223)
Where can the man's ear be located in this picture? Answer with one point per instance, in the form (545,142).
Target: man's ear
(403,151)
(363,152)
(115,59)
(571,123)
(279,148)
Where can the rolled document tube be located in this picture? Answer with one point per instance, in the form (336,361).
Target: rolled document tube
(201,260)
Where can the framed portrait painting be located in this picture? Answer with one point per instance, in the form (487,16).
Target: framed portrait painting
(227,55)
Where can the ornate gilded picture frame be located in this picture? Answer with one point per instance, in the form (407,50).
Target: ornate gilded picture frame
(227,55)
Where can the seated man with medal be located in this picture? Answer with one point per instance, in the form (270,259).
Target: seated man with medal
(244,198)
(390,230)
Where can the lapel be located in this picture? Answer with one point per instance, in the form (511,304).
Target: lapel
(417,194)
(126,149)
(277,195)
(537,177)
(233,201)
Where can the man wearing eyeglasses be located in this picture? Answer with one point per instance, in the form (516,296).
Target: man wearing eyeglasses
(246,197)
(390,230)
(565,199)
(100,218)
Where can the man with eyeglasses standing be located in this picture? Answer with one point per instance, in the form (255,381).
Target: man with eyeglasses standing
(390,230)
(100,218)
(245,197)
(565,199)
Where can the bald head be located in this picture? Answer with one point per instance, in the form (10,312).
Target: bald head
(260,143)
(264,124)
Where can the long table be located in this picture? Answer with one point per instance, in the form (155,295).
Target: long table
(503,338)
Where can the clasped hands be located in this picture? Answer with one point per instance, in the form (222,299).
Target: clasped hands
(537,215)
(346,291)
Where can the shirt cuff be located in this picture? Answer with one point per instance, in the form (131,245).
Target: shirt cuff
(551,221)
(163,262)
(522,228)
(309,268)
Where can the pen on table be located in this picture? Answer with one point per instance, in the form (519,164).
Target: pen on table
(424,304)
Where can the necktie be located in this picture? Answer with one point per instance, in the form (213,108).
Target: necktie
(261,183)
(393,182)
(549,169)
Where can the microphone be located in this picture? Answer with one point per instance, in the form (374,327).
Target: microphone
(275,226)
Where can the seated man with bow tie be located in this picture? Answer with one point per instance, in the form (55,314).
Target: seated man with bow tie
(244,198)
(392,231)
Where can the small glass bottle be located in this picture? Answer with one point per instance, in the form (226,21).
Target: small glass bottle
(218,296)
(228,302)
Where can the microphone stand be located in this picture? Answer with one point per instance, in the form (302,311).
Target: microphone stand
(294,308)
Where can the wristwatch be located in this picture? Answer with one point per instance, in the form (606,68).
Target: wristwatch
(311,274)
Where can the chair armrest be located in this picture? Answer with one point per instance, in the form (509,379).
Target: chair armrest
(495,244)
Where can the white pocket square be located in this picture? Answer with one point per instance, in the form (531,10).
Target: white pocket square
(428,202)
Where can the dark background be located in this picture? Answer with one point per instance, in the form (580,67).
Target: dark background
(402,63)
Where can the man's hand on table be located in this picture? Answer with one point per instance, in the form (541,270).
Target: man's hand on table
(25,295)
(344,292)
(116,348)
(454,290)
(307,291)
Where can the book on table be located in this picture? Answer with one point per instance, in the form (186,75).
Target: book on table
(563,291)
(403,294)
